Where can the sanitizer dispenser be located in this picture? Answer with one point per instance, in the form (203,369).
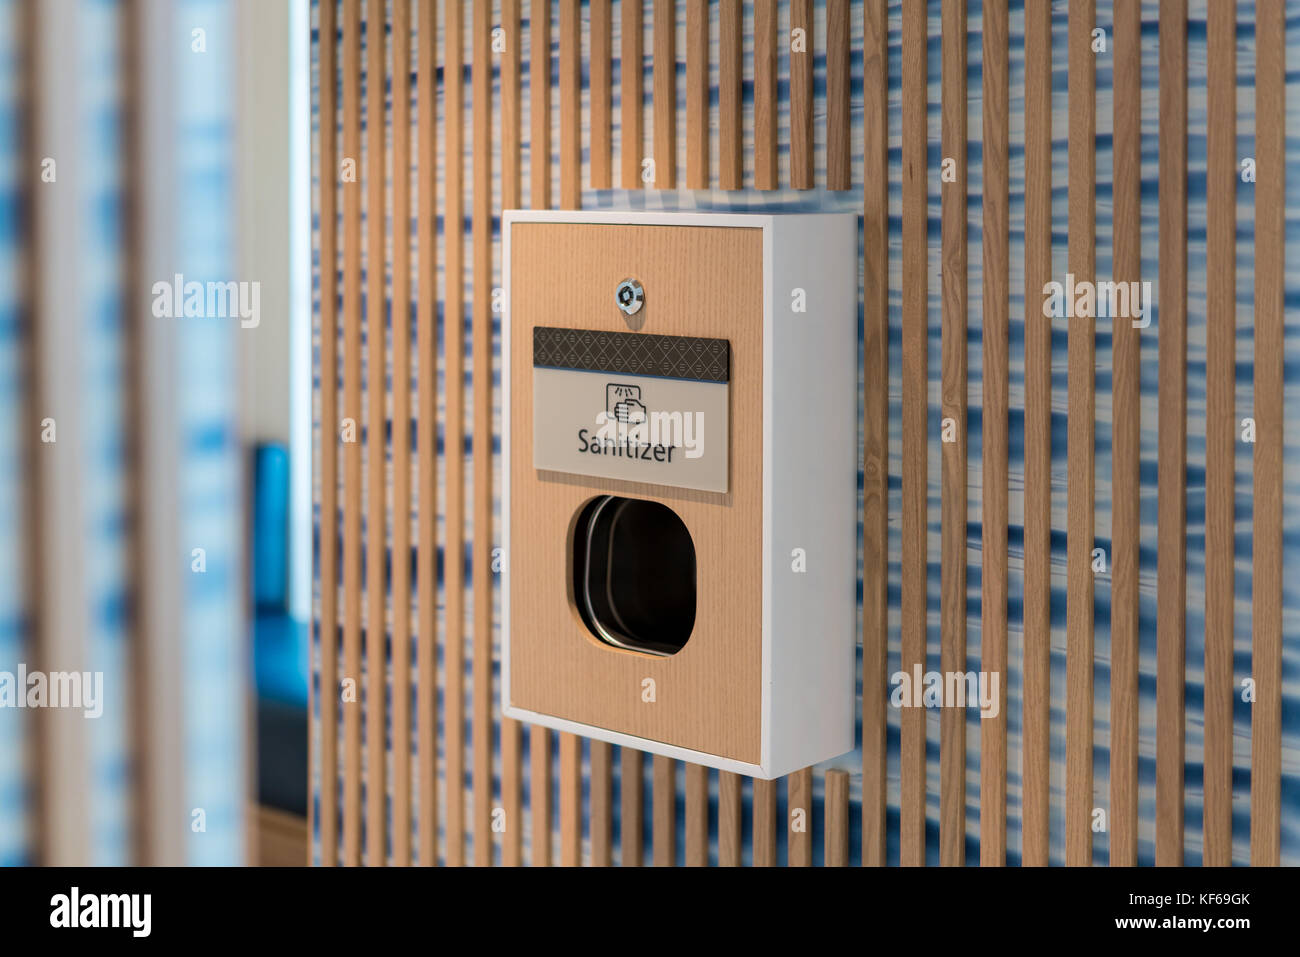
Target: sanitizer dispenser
(680,482)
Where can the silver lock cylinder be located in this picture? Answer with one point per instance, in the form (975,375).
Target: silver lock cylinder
(630,296)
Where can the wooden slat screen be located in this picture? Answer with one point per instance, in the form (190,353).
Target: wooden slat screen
(967,542)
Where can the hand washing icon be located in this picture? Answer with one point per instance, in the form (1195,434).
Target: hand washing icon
(623,403)
(629,412)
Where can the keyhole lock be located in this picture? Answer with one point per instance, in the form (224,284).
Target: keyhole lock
(630,296)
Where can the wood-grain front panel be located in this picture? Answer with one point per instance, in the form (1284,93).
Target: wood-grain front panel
(702,281)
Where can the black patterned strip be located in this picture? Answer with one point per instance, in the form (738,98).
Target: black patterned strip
(632,353)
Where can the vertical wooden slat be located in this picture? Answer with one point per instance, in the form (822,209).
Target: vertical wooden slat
(875,429)
(601,817)
(1171,547)
(427,443)
(915,427)
(329,437)
(1125,440)
(664,825)
(376,629)
(731,140)
(454,441)
(763,837)
(570,198)
(632,807)
(1036,772)
(570,800)
(1266,597)
(837,818)
(1082,427)
(570,105)
(665,93)
(601,94)
(697,815)
(799,798)
(352,450)
(765,117)
(952,720)
(539,799)
(511,107)
(539,91)
(1220,428)
(697,94)
(995,412)
(632,67)
(730,799)
(401,377)
(801,96)
(481,350)
(839,129)
(60,749)
(511,731)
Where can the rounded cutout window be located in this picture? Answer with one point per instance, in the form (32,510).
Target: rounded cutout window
(633,574)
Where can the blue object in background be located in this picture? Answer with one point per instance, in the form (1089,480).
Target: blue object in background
(270,527)
(280,658)
(279,641)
